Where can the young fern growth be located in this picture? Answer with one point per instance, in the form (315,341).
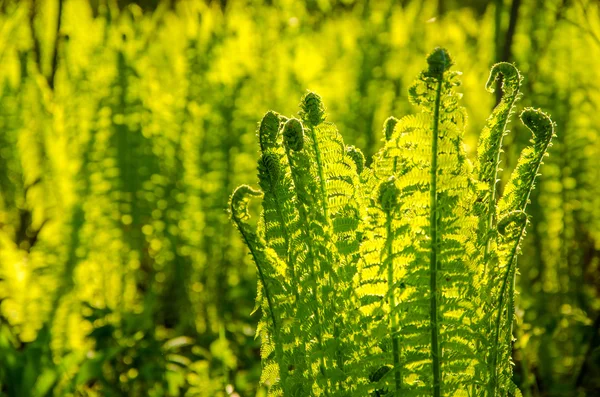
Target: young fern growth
(490,145)
(435,302)
(395,279)
(272,298)
(512,225)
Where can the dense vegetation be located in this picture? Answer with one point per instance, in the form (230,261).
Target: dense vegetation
(124,131)
(396,278)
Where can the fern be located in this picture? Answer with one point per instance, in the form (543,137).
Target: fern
(396,278)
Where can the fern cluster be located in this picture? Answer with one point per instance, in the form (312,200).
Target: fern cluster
(394,278)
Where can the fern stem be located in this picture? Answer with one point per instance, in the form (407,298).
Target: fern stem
(433,263)
(511,303)
(392,303)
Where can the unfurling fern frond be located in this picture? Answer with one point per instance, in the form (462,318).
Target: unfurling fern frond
(490,145)
(512,227)
(398,278)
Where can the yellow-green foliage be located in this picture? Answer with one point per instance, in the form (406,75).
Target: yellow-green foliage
(385,281)
(120,272)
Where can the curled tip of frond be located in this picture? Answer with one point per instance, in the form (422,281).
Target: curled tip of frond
(439,61)
(388,127)
(269,164)
(539,123)
(312,109)
(512,77)
(293,135)
(268,129)
(238,203)
(513,218)
(357,156)
(389,194)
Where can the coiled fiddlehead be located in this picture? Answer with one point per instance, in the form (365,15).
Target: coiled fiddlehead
(521,183)
(293,135)
(357,156)
(238,203)
(312,110)
(268,130)
(439,61)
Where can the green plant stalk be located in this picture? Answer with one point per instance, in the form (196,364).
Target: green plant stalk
(261,275)
(511,304)
(392,303)
(433,262)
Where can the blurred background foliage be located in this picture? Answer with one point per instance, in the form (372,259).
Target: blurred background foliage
(124,127)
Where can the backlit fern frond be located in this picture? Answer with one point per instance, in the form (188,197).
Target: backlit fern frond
(398,275)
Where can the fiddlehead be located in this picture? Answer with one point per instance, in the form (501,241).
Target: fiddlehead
(521,183)
(312,110)
(388,195)
(357,157)
(438,63)
(280,216)
(268,130)
(313,114)
(293,135)
(325,184)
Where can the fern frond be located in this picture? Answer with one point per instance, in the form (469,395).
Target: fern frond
(271,273)
(490,147)
(387,260)
(512,227)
